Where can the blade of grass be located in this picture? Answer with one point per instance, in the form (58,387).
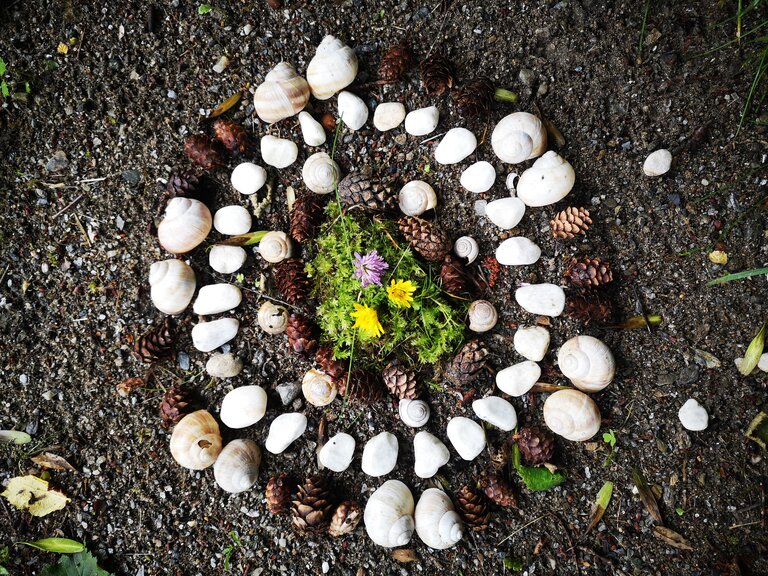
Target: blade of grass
(738,276)
(639,58)
(761,69)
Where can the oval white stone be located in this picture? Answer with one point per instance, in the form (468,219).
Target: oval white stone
(380,454)
(226,259)
(517,251)
(532,342)
(479,177)
(208,336)
(422,121)
(311,130)
(457,144)
(388,115)
(284,430)
(657,163)
(429,454)
(352,110)
(224,365)
(516,380)
(232,220)
(243,406)
(337,453)
(506,213)
(543,299)
(217,298)
(693,416)
(497,411)
(247,178)
(278,152)
(467,437)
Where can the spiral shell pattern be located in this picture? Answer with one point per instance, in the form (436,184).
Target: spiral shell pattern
(196,441)
(272,318)
(587,362)
(482,316)
(320,173)
(572,414)
(414,413)
(275,247)
(466,247)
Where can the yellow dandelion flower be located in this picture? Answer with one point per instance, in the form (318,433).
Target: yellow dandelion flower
(367,320)
(400,293)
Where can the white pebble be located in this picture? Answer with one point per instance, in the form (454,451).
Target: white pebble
(693,416)
(518,379)
(457,144)
(517,251)
(532,342)
(542,299)
(224,365)
(657,163)
(388,115)
(380,454)
(284,430)
(226,259)
(208,336)
(232,220)
(337,453)
(429,454)
(506,213)
(217,298)
(422,121)
(466,436)
(497,411)
(479,177)
(248,177)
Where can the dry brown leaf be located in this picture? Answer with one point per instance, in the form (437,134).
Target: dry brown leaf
(404,555)
(672,538)
(646,496)
(52,461)
(226,105)
(129,385)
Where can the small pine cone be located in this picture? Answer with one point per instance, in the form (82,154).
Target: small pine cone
(203,152)
(363,387)
(427,239)
(157,343)
(231,135)
(570,222)
(497,490)
(436,75)
(312,508)
(174,406)
(399,380)
(345,518)
(473,508)
(306,214)
(336,369)
(358,191)
(588,309)
(395,63)
(585,273)
(466,365)
(279,489)
(292,281)
(454,276)
(184,184)
(536,446)
(302,334)
(475,98)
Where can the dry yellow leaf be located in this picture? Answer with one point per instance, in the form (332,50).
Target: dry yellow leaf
(62,48)
(32,493)
(718,257)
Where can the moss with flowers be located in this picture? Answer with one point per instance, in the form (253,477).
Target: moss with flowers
(376,298)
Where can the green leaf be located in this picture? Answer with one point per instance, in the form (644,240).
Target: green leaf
(536,479)
(3,67)
(80,564)
(4,89)
(204,9)
(245,239)
(610,438)
(14,437)
(3,571)
(513,564)
(679,511)
(738,276)
(758,430)
(601,504)
(755,350)
(27,88)
(60,545)
(5,553)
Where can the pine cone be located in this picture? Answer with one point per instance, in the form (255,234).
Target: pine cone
(231,135)
(436,74)
(466,365)
(278,491)
(156,343)
(306,215)
(431,242)
(585,273)
(497,490)
(356,190)
(302,334)
(475,98)
(184,184)
(570,222)
(395,63)
(336,369)
(174,406)
(473,508)
(536,446)
(200,150)
(292,281)
(588,309)
(364,387)
(311,511)
(399,380)
(345,518)
(454,276)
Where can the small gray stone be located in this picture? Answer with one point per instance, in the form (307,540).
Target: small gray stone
(224,365)
(132,177)
(527,77)
(288,392)
(688,375)
(665,379)
(57,162)
(183,359)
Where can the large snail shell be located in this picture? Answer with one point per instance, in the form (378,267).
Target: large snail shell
(416,197)
(186,224)
(388,515)
(311,130)
(196,441)
(549,180)
(318,388)
(272,318)
(587,362)
(333,67)
(243,406)
(437,523)
(352,110)
(237,467)
(482,316)
(275,247)
(173,285)
(320,173)
(413,413)
(282,94)
(572,414)
(457,144)
(519,137)
(466,247)
(278,152)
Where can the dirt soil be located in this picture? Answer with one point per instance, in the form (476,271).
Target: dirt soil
(104,123)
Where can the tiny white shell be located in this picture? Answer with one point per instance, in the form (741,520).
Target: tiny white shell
(272,318)
(318,388)
(532,342)
(542,299)
(466,436)
(497,411)
(333,67)
(208,336)
(247,178)
(429,454)
(196,441)
(311,130)
(549,180)
(587,362)
(479,177)
(466,247)
(518,137)
(320,173)
(657,163)
(388,515)
(388,115)
(173,285)
(413,413)
(275,247)
(243,406)
(511,182)
(352,110)
(217,298)
(516,380)
(284,430)
(278,152)
(693,416)
(517,251)
(416,197)
(437,523)
(232,220)
(226,259)
(337,453)
(237,467)
(185,225)
(380,454)
(457,144)
(506,213)
(422,121)
(482,316)
(572,414)
(282,94)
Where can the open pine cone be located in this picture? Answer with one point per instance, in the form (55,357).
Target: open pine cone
(570,222)
(278,492)
(436,75)
(231,135)
(454,277)
(157,343)
(466,365)
(174,406)
(359,191)
(312,508)
(586,273)
(497,490)
(536,446)
(395,63)
(426,238)
(473,508)
(399,380)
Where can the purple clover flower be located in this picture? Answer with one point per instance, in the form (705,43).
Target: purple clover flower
(368,268)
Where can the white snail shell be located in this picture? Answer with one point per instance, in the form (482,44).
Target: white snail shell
(482,316)
(457,144)
(226,259)
(532,342)
(186,224)
(414,413)
(237,467)
(380,454)
(572,414)
(320,173)
(388,115)
(422,121)
(516,380)
(518,137)
(388,515)
(496,411)
(282,94)
(337,453)
(479,177)
(466,247)
(352,110)
(466,436)
(541,299)
(506,213)
(173,285)
(243,406)
(272,318)
(587,362)
(278,152)
(217,298)
(311,130)
(196,441)
(318,388)
(416,197)
(207,336)
(232,220)
(549,180)
(275,247)
(517,251)
(248,177)
(437,523)
(657,163)
(333,67)
(284,430)
(429,454)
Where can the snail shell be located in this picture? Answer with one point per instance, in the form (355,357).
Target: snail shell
(416,197)
(196,441)
(311,130)
(248,177)
(333,67)
(243,406)
(272,318)
(345,518)
(275,247)
(518,137)
(479,177)
(232,220)
(173,285)
(388,115)
(320,173)
(572,414)
(318,388)
(549,180)
(413,413)
(278,152)
(352,110)
(388,515)
(482,316)
(587,362)
(422,121)
(237,467)
(282,94)
(437,523)
(186,224)
(457,144)
(466,247)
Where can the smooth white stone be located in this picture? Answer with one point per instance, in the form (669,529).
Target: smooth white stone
(497,411)
(457,144)
(247,178)
(217,298)
(337,453)
(542,299)
(693,416)
(352,110)
(429,454)
(388,115)
(208,336)
(657,163)
(284,430)
(548,181)
(422,121)
(224,365)
(278,152)
(762,364)
(227,259)
(311,130)
(516,380)
(232,220)
(380,454)
(506,213)
(517,251)
(467,437)
(532,342)
(243,406)
(479,177)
